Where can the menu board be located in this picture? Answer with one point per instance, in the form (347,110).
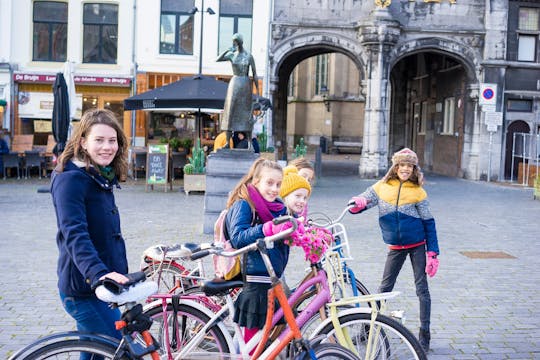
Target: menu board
(157,164)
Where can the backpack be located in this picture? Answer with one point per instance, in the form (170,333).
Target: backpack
(227,268)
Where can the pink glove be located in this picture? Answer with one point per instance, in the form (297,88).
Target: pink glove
(432,263)
(269,229)
(360,203)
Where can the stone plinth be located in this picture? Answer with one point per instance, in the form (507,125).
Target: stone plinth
(223,171)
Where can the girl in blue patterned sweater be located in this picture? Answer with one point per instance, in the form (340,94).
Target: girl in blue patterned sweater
(407,227)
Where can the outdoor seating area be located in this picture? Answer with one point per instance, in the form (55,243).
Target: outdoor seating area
(26,159)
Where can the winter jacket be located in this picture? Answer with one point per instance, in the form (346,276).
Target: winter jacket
(243,228)
(404,214)
(89,239)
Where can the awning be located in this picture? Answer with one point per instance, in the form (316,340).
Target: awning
(188,93)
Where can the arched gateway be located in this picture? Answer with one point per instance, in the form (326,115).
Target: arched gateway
(420,81)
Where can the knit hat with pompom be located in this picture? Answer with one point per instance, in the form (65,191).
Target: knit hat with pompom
(292,181)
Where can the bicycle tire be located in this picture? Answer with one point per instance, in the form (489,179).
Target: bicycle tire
(190,320)
(166,274)
(327,351)
(394,341)
(71,349)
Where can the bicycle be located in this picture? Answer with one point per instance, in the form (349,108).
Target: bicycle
(174,313)
(136,340)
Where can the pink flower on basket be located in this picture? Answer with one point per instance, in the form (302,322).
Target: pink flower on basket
(314,241)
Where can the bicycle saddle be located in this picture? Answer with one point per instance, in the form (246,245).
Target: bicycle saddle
(134,290)
(220,287)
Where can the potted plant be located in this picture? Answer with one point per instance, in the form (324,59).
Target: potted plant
(186,143)
(194,171)
(174,143)
(267,152)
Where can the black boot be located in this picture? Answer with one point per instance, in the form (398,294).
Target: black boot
(424,337)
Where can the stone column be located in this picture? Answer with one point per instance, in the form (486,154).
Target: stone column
(378,36)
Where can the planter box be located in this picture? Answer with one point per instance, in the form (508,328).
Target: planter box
(536,194)
(194,182)
(268,156)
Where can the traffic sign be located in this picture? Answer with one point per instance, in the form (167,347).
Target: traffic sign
(493,118)
(488,94)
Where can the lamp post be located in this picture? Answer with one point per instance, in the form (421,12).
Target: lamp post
(199,75)
(192,12)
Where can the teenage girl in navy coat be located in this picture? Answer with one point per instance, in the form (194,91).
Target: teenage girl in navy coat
(89,239)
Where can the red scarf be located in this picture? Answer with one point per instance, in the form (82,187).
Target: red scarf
(262,207)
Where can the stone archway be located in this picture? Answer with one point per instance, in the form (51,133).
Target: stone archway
(431,108)
(285,56)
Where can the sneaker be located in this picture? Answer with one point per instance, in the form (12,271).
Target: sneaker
(424,337)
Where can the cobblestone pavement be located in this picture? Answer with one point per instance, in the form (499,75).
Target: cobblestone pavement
(483,308)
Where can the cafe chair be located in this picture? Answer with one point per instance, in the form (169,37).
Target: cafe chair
(138,164)
(12,160)
(33,159)
(178,160)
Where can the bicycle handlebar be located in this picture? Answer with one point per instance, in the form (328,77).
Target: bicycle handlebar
(336,220)
(268,240)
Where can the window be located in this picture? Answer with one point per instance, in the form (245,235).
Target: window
(176,30)
(291,84)
(50,31)
(100,38)
(519,105)
(235,16)
(448,121)
(423,118)
(321,73)
(528,31)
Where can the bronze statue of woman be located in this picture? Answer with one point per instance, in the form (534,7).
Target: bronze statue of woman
(237,112)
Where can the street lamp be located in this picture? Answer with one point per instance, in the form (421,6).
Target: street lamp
(326,101)
(199,75)
(192,12)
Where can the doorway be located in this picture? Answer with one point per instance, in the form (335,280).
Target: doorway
(511,164)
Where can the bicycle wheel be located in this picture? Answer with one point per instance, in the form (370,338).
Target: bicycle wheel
(70,349)
(170,276)
(328,351)
(312,323)
(190,321)
(392,339)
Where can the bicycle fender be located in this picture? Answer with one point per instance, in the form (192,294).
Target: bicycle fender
(341,313)
(69,335)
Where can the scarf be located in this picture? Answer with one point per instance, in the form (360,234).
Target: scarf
(262,207)
(107,172)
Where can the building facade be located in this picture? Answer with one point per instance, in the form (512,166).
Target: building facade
(455,80)
(450,79)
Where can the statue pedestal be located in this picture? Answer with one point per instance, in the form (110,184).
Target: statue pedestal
(224,169)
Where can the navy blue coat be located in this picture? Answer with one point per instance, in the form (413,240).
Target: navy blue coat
(242,232)
(90,243)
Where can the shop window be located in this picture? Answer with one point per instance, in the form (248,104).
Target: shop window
(50,31)
(176,27)
(528,32)
(235,16)
(449,116)
(519,105)
(100,38)
(321,73)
